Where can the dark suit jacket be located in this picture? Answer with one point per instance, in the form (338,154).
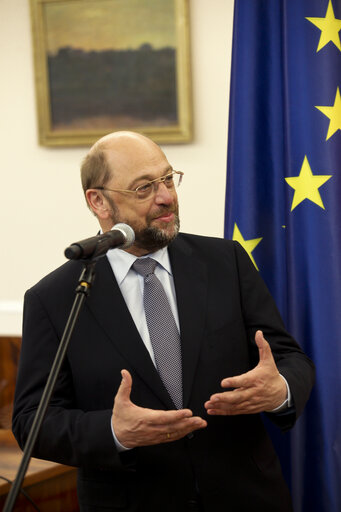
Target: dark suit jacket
(221,302)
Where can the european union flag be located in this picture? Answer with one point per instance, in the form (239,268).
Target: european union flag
(283,204)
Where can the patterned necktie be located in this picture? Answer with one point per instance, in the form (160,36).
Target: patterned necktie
(163,331)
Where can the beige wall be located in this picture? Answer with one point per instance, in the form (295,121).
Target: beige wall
(42,208)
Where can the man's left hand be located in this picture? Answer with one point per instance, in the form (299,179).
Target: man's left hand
(260,389)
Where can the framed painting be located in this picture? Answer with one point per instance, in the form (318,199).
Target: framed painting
(107,65)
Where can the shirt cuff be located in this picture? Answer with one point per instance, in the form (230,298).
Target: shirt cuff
(120,448)
(287,402)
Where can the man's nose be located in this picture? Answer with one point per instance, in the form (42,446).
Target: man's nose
(164,195)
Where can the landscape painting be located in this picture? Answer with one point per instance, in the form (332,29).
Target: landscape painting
(106,65)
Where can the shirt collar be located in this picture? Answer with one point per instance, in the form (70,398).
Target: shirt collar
(121,261)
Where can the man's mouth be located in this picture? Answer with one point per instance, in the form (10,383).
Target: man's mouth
(165,217)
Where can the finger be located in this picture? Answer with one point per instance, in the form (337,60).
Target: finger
(167,418)
(237,408)
(247,404)
(243,380)
(222,408)
(124,390)
(185,425)
(234,411)
(263,347)
(181,430)
(171,423)
(154,434)
(231,398)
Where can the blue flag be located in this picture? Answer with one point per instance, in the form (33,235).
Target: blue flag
(283,204)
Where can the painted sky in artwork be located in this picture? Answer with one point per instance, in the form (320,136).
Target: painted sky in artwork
(109,24)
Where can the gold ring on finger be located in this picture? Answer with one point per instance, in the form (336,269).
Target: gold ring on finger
(168,435)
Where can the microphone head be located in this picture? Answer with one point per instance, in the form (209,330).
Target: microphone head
(127,232)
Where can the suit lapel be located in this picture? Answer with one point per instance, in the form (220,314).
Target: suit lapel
(190,279)
(108,306)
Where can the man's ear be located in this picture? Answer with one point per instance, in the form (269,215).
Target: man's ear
(98,203)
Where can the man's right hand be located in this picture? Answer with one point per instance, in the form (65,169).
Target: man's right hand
(138,426)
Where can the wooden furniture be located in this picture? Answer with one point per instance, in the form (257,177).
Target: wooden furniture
(51,486)
(9,356)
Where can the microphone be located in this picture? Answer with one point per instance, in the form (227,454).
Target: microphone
(121,235)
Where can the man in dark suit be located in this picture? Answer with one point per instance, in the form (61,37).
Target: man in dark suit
(112,414)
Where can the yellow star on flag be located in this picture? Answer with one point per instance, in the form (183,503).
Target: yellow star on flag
(329,26)
(306,185)
(334,114)
(248,245)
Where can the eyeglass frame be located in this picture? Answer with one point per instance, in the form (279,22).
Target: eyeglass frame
(150,182)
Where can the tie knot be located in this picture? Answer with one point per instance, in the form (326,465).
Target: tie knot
(144,266)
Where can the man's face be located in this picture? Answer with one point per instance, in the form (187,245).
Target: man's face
(155,220)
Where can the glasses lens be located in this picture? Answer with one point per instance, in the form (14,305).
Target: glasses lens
(144,191)
(169,180)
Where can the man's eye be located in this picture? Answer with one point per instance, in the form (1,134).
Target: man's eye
(169,180)
(144,188)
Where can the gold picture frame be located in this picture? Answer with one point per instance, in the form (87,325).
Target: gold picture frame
(107,65)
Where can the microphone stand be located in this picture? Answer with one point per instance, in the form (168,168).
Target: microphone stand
(82,291)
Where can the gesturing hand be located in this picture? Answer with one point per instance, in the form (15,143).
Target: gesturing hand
(138,426)
(260,389)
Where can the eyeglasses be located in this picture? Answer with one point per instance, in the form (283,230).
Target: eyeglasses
(149,188)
